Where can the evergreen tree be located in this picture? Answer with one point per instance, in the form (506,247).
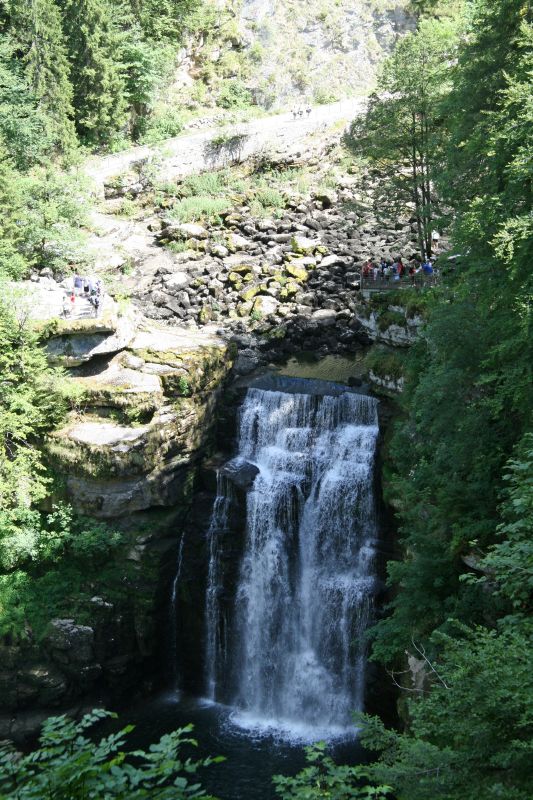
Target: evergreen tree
(403,128)
(96,74)
(23,128)
(37,26)
(163,19)
(12,263)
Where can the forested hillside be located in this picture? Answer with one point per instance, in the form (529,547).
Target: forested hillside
(449,133)
(458,92)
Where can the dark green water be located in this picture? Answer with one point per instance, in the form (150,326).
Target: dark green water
(329,368)
(251,760)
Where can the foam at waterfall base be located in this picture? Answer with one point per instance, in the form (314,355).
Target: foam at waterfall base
(291,731)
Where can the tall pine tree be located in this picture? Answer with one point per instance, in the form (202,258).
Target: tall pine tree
(36,24)
(96,74)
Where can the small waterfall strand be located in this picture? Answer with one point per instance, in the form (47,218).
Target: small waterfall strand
(216,625)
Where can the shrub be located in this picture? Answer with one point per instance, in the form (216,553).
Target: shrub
(68,765)
(270,198)
(322,779)
(323,96)
(234,94)
(385,362)
(164,125)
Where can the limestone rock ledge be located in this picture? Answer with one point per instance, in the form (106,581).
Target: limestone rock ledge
(390,326)
(147,414)
(128,453)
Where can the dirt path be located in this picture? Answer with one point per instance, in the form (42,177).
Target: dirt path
(187,154)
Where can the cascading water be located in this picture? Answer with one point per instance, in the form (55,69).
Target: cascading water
(305,584)
(216,628)
(173,617)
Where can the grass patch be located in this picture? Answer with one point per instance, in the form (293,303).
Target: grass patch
(199,208)
(389,318)
(385,362)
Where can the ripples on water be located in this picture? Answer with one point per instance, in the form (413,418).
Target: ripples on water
(253,751)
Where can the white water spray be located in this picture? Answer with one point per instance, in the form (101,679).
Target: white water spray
(305,585)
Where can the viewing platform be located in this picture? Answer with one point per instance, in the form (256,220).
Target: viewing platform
(421,280)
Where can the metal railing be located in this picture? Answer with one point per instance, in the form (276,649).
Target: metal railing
(420,280)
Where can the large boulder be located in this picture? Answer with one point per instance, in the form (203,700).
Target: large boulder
(324,317)
(240,472)
(176,281)
(303,245)
(73,349)
(265,305)
(246,362)
(185,230)
(70,642)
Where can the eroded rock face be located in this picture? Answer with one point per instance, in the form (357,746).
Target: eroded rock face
(391,325)
(77,341)
(161,392)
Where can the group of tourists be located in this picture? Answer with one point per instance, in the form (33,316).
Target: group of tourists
(90,288)
(396,270)
(301,111)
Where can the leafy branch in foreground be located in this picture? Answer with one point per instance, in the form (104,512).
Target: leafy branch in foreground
(322,778)
(70,766)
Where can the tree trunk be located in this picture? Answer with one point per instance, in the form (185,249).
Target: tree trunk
(416,199)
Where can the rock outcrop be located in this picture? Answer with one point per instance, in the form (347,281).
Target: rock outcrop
(148,410)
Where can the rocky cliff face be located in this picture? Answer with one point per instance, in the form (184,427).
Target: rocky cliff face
(318,50)
(129,452)
(280,283)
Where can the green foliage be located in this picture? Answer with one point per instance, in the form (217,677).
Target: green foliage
(269,197)
(47,560)
(36,25)
(322,778)
(50,567)
(234,94)
(510,560)
(164,19)
(68,765)
(23,131)
(184,386)
(55,206)
(97,77)
(471,736)
(388,318)
(12,207)
(403,126)
(198,208)
(32,401)
(385,361)
(163,125)
(462,453)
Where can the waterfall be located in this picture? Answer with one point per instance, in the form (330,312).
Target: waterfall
(305,584)
(216,623)
(173,614)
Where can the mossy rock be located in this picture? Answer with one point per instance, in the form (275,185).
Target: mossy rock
(289,290)
(245,309)
(235,280)
(241,268)
(296,271)
(206,314)
(250,293)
